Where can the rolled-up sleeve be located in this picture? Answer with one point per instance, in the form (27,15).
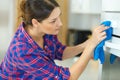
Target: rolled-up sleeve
(59,48)
(38,65)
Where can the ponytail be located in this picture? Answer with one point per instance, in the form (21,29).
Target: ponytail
(20,11)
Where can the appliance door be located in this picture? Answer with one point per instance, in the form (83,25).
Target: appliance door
(111,71)
(114,43)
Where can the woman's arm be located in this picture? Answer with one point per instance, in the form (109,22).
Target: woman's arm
(78,67)
(72,51)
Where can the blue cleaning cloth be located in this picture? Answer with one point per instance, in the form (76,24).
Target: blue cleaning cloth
(112,58)
(99,52)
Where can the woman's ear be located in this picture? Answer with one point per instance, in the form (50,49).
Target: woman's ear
(35,22)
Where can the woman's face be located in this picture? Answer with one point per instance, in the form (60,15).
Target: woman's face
(52,24)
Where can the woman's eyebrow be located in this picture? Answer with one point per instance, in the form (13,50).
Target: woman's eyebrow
(56,17)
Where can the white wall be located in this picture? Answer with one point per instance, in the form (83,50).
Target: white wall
(5,24)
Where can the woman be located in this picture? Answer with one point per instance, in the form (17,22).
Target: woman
(35,46)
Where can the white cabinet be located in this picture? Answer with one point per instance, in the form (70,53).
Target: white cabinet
(86,6)
(111,5)
(84,14)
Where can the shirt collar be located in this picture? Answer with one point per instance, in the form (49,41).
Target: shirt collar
(27,38)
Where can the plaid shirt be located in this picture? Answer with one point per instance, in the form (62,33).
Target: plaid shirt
(25,60)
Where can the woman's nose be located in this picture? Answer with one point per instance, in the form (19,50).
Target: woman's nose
(59,22)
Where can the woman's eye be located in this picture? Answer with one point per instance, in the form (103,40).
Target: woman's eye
(53,22)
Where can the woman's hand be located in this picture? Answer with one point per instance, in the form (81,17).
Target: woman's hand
(98,34)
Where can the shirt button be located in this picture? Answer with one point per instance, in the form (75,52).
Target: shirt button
(56,77)
(45,46)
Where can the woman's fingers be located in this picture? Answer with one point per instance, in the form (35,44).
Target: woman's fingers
(101,28)
(99,34)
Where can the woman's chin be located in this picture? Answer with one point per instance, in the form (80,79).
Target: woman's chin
(57,32)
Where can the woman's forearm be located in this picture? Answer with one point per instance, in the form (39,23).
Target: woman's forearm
(78,67)
(74,50)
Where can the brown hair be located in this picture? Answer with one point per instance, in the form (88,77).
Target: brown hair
(37,9)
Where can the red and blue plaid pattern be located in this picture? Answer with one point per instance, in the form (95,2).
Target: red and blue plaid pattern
(25,60)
